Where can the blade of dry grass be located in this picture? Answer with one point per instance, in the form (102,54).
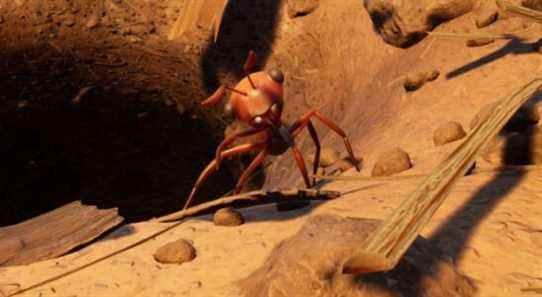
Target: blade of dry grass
(384,248)
(521,11)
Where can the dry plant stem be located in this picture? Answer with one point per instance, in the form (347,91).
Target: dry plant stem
(510,168)
(384,248)
(252,196)
(481,35)
(518,10)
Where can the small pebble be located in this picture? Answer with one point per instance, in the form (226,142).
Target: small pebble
(228,217)
(176,252)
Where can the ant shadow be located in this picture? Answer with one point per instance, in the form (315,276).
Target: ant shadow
(515,46)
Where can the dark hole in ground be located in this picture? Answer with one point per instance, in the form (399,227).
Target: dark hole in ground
(140,158)
(110,150)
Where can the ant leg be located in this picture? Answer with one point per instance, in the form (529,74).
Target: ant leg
(330,124)
(339,131)
(212,166)
(228,141)
(251,168)
(314,136)
(301,164)
(299,125)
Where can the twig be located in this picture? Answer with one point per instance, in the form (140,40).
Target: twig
(252,196)
(521,11)
(481,35)
(507,168)
(427,48)
(82,92)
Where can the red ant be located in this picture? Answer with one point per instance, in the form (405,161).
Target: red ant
(257,100)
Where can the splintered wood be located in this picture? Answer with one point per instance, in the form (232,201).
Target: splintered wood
(55,233)
(384,248)
(199,14)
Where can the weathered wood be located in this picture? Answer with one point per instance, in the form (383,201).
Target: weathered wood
(54,233)
(385,247)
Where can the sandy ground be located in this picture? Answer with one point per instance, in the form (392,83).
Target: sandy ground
(491,223)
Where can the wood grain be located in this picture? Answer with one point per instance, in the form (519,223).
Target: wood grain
(54,233)
(385,247)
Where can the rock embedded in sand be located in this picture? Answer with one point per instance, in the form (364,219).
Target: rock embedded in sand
(479,42)
(416,80)
(301,7)
(176,252)
(485,13)
(309,264)
(448,132)
(228,217)
(392,162)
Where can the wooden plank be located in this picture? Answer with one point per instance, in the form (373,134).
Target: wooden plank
(55,233)
(385,247)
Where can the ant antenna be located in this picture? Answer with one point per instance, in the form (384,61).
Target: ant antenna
(236,91)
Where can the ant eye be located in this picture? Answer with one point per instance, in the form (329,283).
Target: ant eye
(258,120)
(228,110)
(276,75)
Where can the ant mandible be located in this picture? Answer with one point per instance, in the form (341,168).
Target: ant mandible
(257,100)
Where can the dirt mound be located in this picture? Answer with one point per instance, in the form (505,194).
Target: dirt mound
(309,264)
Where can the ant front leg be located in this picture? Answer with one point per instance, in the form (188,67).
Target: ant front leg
(251,168)
(296,128)
(212,166)
(330,124)
(230,140)
(289,140)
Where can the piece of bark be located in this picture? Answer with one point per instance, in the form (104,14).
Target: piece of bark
(55,233)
